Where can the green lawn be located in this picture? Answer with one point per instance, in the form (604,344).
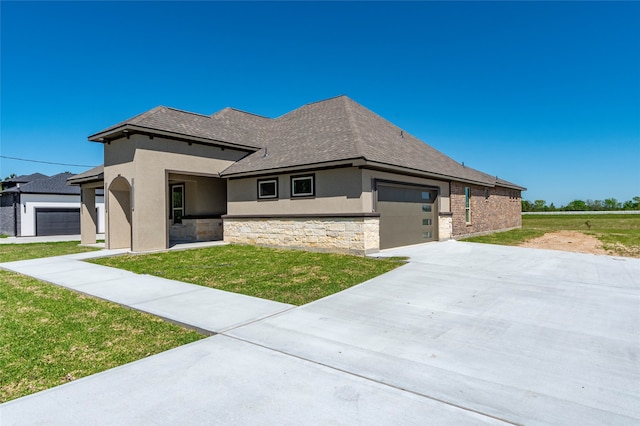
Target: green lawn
(11,252)
(50,335)
(289,276)
(619,233)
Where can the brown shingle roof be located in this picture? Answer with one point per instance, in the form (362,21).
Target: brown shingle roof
(339,129)
(329,131)
(315,133)
(229,125)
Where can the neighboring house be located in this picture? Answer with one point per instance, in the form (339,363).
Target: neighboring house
(330,176)
(38,205)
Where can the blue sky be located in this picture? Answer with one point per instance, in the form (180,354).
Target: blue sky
(544,94)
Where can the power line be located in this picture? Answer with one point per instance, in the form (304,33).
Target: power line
(44,162)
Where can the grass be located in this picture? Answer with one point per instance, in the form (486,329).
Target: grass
(50,335)
(11,252)
(288,276)
(619,233)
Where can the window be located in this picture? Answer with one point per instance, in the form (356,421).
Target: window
(399,194)
(302,186)
(177,203)
(268,188)
(467,204)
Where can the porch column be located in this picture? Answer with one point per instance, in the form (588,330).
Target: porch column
(88,218)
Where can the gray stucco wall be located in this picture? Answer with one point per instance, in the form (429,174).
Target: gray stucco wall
(7,213)
(145,167)
(337,191)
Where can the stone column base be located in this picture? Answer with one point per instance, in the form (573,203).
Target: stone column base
(445,226)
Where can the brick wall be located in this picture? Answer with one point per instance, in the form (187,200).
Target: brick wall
(501,210)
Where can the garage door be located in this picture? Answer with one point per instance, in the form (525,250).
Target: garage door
(57,221)
(407,214)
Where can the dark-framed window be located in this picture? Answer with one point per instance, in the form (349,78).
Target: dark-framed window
(467,204)
(303,186)
(268,188)
(177,203)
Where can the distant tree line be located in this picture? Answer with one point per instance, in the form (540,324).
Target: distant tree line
(609,204)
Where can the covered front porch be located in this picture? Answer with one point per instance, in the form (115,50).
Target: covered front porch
(196,206)
(192,207)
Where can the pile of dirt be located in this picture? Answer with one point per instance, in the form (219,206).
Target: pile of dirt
(573,241)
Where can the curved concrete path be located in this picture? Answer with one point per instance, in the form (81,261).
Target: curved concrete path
(464,334)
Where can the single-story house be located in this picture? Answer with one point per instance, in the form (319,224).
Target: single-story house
(38,205)
(329,176)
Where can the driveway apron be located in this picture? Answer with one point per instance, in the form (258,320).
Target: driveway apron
(523,335)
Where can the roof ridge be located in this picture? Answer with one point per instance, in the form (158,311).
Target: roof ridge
(327,99)
(225,109)
(357,140)
(308,104)
(249,113)
(183,111)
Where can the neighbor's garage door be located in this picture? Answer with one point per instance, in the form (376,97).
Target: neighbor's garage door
(407,214)
(52,221)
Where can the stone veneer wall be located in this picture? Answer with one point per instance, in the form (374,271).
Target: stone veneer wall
(353,235)
(445,226)
(199,229)
(502,210)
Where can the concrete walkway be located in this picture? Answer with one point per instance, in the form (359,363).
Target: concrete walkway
(205,309)
(49,239)
(464,334)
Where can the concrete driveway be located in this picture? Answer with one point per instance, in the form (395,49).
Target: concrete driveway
(464,334)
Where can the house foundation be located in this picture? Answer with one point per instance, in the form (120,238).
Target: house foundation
(197,229)
(340,234)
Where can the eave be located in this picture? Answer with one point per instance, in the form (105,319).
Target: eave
(365,164)
(86,180)
(355,162)
(127,130)
(432,175)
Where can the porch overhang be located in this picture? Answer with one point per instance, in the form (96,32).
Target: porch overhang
(91,178)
